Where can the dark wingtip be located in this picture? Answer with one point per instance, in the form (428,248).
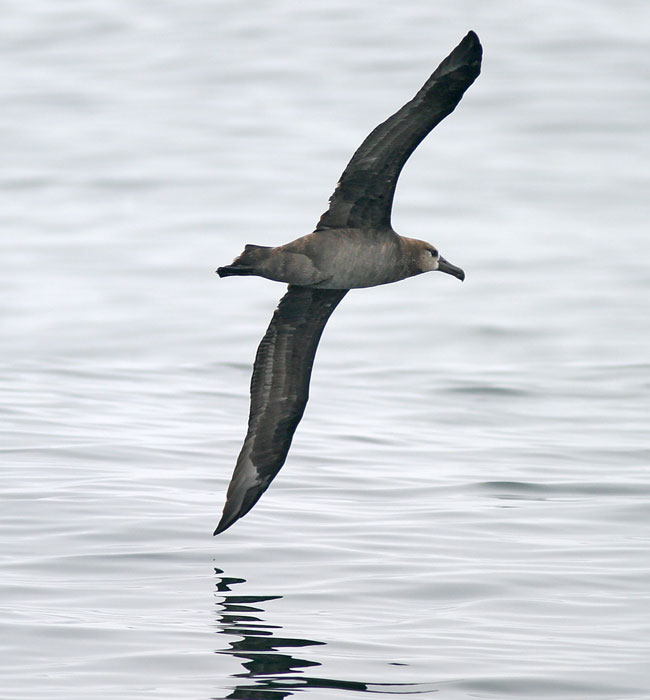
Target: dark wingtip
(224,524)
(464,62)
(472,45)
(471,40)
(228,517)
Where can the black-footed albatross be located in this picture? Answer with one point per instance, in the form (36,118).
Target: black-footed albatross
(353,246)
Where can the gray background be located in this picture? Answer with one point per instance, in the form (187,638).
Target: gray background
(465,507)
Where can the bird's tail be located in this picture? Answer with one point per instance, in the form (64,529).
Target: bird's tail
(244,264)
(228,270)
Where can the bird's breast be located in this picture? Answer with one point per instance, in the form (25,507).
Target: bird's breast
(349,259)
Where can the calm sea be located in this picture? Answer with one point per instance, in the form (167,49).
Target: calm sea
(465,512)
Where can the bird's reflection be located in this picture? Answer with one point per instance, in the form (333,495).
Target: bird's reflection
(271,672)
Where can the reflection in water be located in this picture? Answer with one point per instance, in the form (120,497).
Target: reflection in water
(270,673)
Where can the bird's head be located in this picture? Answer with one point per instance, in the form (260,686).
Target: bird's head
(428,259)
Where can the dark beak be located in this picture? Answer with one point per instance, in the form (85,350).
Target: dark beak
(450,269)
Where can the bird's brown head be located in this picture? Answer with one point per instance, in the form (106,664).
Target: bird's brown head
(428,258)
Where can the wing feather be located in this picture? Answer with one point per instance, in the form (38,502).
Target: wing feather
(279,393)
(363,197)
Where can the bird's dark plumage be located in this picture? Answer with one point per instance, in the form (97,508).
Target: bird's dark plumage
(279,392)
(364,195)
(353,246)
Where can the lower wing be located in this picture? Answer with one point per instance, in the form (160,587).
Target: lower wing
(279,393)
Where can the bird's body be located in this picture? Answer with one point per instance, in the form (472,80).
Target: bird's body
(353,246)
(338,259)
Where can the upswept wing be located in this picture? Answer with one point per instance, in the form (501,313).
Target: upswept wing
(279,393)
(363,197)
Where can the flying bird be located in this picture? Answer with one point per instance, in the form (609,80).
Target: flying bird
(353,246)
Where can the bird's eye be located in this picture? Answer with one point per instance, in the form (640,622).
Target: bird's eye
(434,252)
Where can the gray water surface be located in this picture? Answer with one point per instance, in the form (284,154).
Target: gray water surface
(465,509)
